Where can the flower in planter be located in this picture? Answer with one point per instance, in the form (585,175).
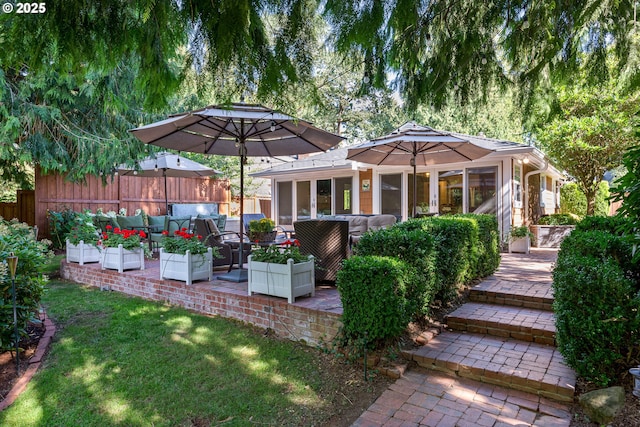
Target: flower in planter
(183,241)
(129,239)
(85,232)
(279,254)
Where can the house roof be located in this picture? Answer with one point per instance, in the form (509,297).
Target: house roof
(336,158)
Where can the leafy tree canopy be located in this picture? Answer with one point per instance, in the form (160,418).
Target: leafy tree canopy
(431,48)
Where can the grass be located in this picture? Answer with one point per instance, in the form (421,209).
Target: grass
(118,360)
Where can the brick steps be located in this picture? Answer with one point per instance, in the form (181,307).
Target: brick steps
(527,294)
(524,324)
(530,367)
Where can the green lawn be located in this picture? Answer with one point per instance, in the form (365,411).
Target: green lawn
(118,360)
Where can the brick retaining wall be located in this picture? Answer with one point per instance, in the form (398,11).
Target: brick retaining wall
(294,322)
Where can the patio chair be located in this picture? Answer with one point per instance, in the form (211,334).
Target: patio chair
(178,223)
(101,222)
(157,224)
(328,241)
(229,251)
(134,222)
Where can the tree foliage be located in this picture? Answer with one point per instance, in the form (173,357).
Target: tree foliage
(589,133)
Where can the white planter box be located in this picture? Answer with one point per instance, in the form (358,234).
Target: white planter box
(520,245)
(82,253)
(186,267)
(123,259)
(282,280)
(550,236)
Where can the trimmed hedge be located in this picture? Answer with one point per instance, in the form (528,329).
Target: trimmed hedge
(373,291)
(596,303)
(456,243)
(488,244)
(559,219)
(417,250)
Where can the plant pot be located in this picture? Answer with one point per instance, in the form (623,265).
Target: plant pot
(282,280)
(550,236)
(82,253)
(262,236)
(520,245)
(186,268)
(123,259)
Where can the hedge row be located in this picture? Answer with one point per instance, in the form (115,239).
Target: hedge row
(442,254)
(596,300)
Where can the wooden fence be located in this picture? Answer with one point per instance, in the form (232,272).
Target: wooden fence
(54,193)
(23,209)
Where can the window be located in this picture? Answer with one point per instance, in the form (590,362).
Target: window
(517,186)
(450,192)
(303,200)
(284,203)
(481,184)
(343,195)
(422,204)
(323,197)
(391,194)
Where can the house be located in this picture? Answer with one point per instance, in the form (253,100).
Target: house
(502,182)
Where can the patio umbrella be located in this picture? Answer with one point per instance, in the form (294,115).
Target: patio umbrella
(237,130)
(412,144)
(166,164)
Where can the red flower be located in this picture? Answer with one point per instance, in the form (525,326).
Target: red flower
(109,227)
(165,232)
(143,234)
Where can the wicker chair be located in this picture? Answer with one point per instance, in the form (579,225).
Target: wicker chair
(229,251)
(328,241)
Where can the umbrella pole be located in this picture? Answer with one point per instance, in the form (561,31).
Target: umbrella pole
(415,188)
(240,275)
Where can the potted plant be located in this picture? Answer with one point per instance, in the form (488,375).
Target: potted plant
(262,230)
(183,256)
(122,249)
(82,242)
(281,271)
(519,239)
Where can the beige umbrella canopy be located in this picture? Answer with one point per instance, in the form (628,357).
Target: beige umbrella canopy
(237,130)
(412,144)
(167,164)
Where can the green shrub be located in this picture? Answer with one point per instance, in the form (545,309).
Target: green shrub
(60,225)
(456,253)
(488,244)
(596,302)
(32,255)
(610,224)
(373,293)
(414,247)
(559,219)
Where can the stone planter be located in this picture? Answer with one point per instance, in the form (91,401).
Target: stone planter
(186,268)
(550,236)
(82,253)
(282,280)
(520,245)
(123,259)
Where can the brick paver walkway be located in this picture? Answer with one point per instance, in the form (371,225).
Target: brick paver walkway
(497,368)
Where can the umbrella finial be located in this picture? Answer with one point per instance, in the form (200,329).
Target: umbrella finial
(273,126)
(178,160)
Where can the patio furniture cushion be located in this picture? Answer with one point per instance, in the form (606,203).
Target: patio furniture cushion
(134,222)
(101,222)
(327,240)
(377,222)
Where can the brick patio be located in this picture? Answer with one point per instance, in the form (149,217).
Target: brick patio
(310,319)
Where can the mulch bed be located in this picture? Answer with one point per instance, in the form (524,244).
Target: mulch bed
(28,346)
